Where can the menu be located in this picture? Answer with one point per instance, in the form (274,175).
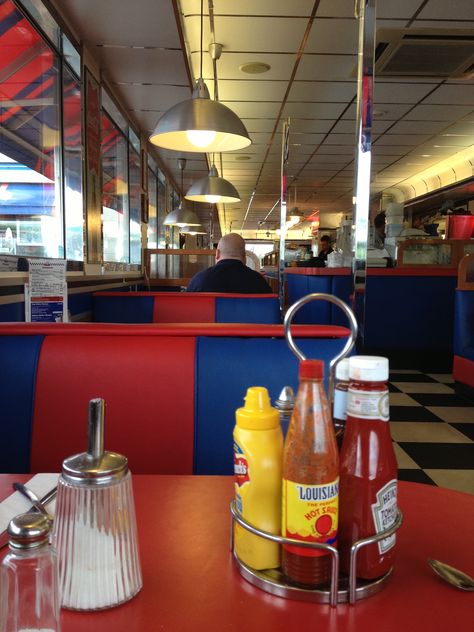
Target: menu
(46,291)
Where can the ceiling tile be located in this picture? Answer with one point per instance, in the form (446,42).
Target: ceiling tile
(326,67)
(255,90)
(438,112)
(261,33)
(417,127)
(336,36)
(453,94)
(248,109)
(314,110)
(442,10)
(144,65)
(322,91)
(400,92)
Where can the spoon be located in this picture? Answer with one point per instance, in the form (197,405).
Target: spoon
(32,497)
(452,575)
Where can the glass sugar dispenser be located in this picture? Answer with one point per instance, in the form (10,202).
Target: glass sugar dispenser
(29,595)
(95,531)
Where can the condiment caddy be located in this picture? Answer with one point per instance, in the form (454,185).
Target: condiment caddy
(310,568)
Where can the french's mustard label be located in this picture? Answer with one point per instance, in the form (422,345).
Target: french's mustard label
(310,513)
(241,466)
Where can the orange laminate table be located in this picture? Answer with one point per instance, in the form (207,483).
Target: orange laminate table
(191,583)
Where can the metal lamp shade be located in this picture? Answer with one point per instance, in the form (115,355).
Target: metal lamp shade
(192,230)
(181,217)
(200,125)
(213,189)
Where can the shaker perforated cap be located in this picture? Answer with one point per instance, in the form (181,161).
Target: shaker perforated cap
(28,530)
(368,368)
(342,370)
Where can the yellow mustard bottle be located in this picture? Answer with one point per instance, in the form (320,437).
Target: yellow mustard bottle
(258,451)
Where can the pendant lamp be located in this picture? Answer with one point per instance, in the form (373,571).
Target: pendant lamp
(200,124)
(213,189)
(181,216)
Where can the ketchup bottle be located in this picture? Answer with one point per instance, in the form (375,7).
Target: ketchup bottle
(368,469)
(310,481)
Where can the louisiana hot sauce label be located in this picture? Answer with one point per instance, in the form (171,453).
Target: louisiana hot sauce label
(310,513)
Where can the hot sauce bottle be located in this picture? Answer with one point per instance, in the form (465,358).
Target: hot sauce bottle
(368,490)
(310,481)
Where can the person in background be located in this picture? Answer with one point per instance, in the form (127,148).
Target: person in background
(229,274)
(320,261)
(379,230)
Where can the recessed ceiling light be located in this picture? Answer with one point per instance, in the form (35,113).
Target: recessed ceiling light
(242,157)
(425,155)
(254,67)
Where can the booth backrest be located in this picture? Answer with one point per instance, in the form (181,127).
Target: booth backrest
(183,307)
(171,391)
(463,365)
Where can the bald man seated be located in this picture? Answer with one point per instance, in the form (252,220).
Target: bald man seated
(229,274)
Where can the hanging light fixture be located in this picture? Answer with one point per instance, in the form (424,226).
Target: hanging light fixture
(192,230)
(181,216)
(200,124)
(213,189)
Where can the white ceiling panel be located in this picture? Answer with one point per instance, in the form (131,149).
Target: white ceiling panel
(452,10)
(453,94)
(400,92)
(335,36)
(399,9)
(314,110)
(142,97)
(123,23)
(322,91)
(248,109)
(261,34)
(281,66)
(439,112)
(382,111)
(257,90)
(145,65)
(401,139)
(418,127)
(326,67)
(310,126)
(250,7)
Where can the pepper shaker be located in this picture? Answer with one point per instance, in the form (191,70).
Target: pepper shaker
(29,598)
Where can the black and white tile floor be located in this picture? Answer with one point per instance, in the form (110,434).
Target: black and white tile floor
(433,430)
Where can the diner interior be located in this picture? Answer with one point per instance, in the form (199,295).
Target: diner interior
(340,112)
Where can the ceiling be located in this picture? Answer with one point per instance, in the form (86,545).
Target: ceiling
(149,52)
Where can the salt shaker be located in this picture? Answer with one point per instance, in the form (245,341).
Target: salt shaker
(95,531)
(29,577)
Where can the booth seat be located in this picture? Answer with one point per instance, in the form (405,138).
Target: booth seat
(463,365)
(182,307)
(171,391)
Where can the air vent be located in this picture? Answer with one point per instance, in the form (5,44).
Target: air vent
(425,53)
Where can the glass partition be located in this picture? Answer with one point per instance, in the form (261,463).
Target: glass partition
(152,210)
(115,216)
(72,148)
(134,172)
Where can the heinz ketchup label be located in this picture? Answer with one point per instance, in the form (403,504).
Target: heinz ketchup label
(310,513)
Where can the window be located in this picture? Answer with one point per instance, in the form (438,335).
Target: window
(115,217)
(72,148)
(134,171)
(30,190)
(152,209)
(163,231)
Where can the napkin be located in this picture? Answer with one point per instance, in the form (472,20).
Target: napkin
(16,503)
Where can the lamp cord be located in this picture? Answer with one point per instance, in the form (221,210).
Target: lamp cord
(202,16)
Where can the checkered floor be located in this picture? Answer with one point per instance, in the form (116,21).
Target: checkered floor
(433,430)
